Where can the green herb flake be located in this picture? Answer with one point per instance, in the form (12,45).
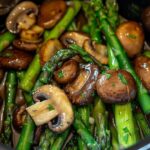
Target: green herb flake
(131,36)
(126,130)
(60,74)
(83,95)
(50,107)
(125,138)
(122,78)
(107,75)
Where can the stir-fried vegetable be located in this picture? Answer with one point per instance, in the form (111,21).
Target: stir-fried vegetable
(69,82)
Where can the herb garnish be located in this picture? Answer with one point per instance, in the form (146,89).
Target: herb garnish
(60,74)
(131,36)
(122,78)
(50,107)
(107,75)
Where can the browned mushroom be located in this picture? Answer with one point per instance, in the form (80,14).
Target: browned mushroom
(19,100)
(32,35)
(1,74)
(116,86)
(22,45)
(15,59)
(142,68)
(131,36)
(81,90)
(73,37)
(19,117)
(23,16)
(97,51)
(50,12)
(48,49)
(67,72)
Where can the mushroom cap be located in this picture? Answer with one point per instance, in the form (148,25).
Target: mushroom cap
(51,95)
(22,8)
(116,86)
(142,68)
(81,90)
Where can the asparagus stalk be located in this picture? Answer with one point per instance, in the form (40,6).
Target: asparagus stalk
(124,63)
(34,69)
(5,40)
(45,139)
(92,24)
(11,84)
(142,122)
(57,145)
(85,135)
(102,133)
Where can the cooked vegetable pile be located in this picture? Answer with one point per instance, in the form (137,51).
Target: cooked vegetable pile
(74,75)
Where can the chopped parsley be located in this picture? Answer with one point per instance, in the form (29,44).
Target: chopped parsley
(60,74)
(107,75)
(50,107)
(122,78)
(113,84)
(126,130)
(131,36)
(83,95)
(126,134)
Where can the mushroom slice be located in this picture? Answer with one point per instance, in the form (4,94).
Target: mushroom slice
(74,38)
(142,68)
(50,12)
(48,49)
(23,16)
(81,89)
(67,72)
(22,45)
(98,51)
(54,102)
(15,59)
(116,86)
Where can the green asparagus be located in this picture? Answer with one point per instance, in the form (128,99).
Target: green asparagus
(124,63)
(6,39)
(11,85)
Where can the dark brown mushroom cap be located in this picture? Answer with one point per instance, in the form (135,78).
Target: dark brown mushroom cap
(50,12)
(81,90)
(67,72)
(15,59)
(142,68)
(22,45)
(116,86)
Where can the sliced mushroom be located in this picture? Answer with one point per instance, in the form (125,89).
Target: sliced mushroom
(74,38)
(97,51)
(22,45)
(19,100)
(15,59)
(116,86)
(131,36)
(1,74)
(19,116)
(67,72)
(48,49)
(32,35)
(142,68)
(23,16)
(81,90)
(54,102)
(50,12)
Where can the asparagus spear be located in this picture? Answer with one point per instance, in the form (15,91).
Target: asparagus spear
(11,84)
(34,69)
(5,39)
(142,122)
(45,139)
(58,143)
(92,24)
(102,133)
(85,134)
(124,63)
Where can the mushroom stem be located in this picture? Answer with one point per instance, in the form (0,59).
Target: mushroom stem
(41,113)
